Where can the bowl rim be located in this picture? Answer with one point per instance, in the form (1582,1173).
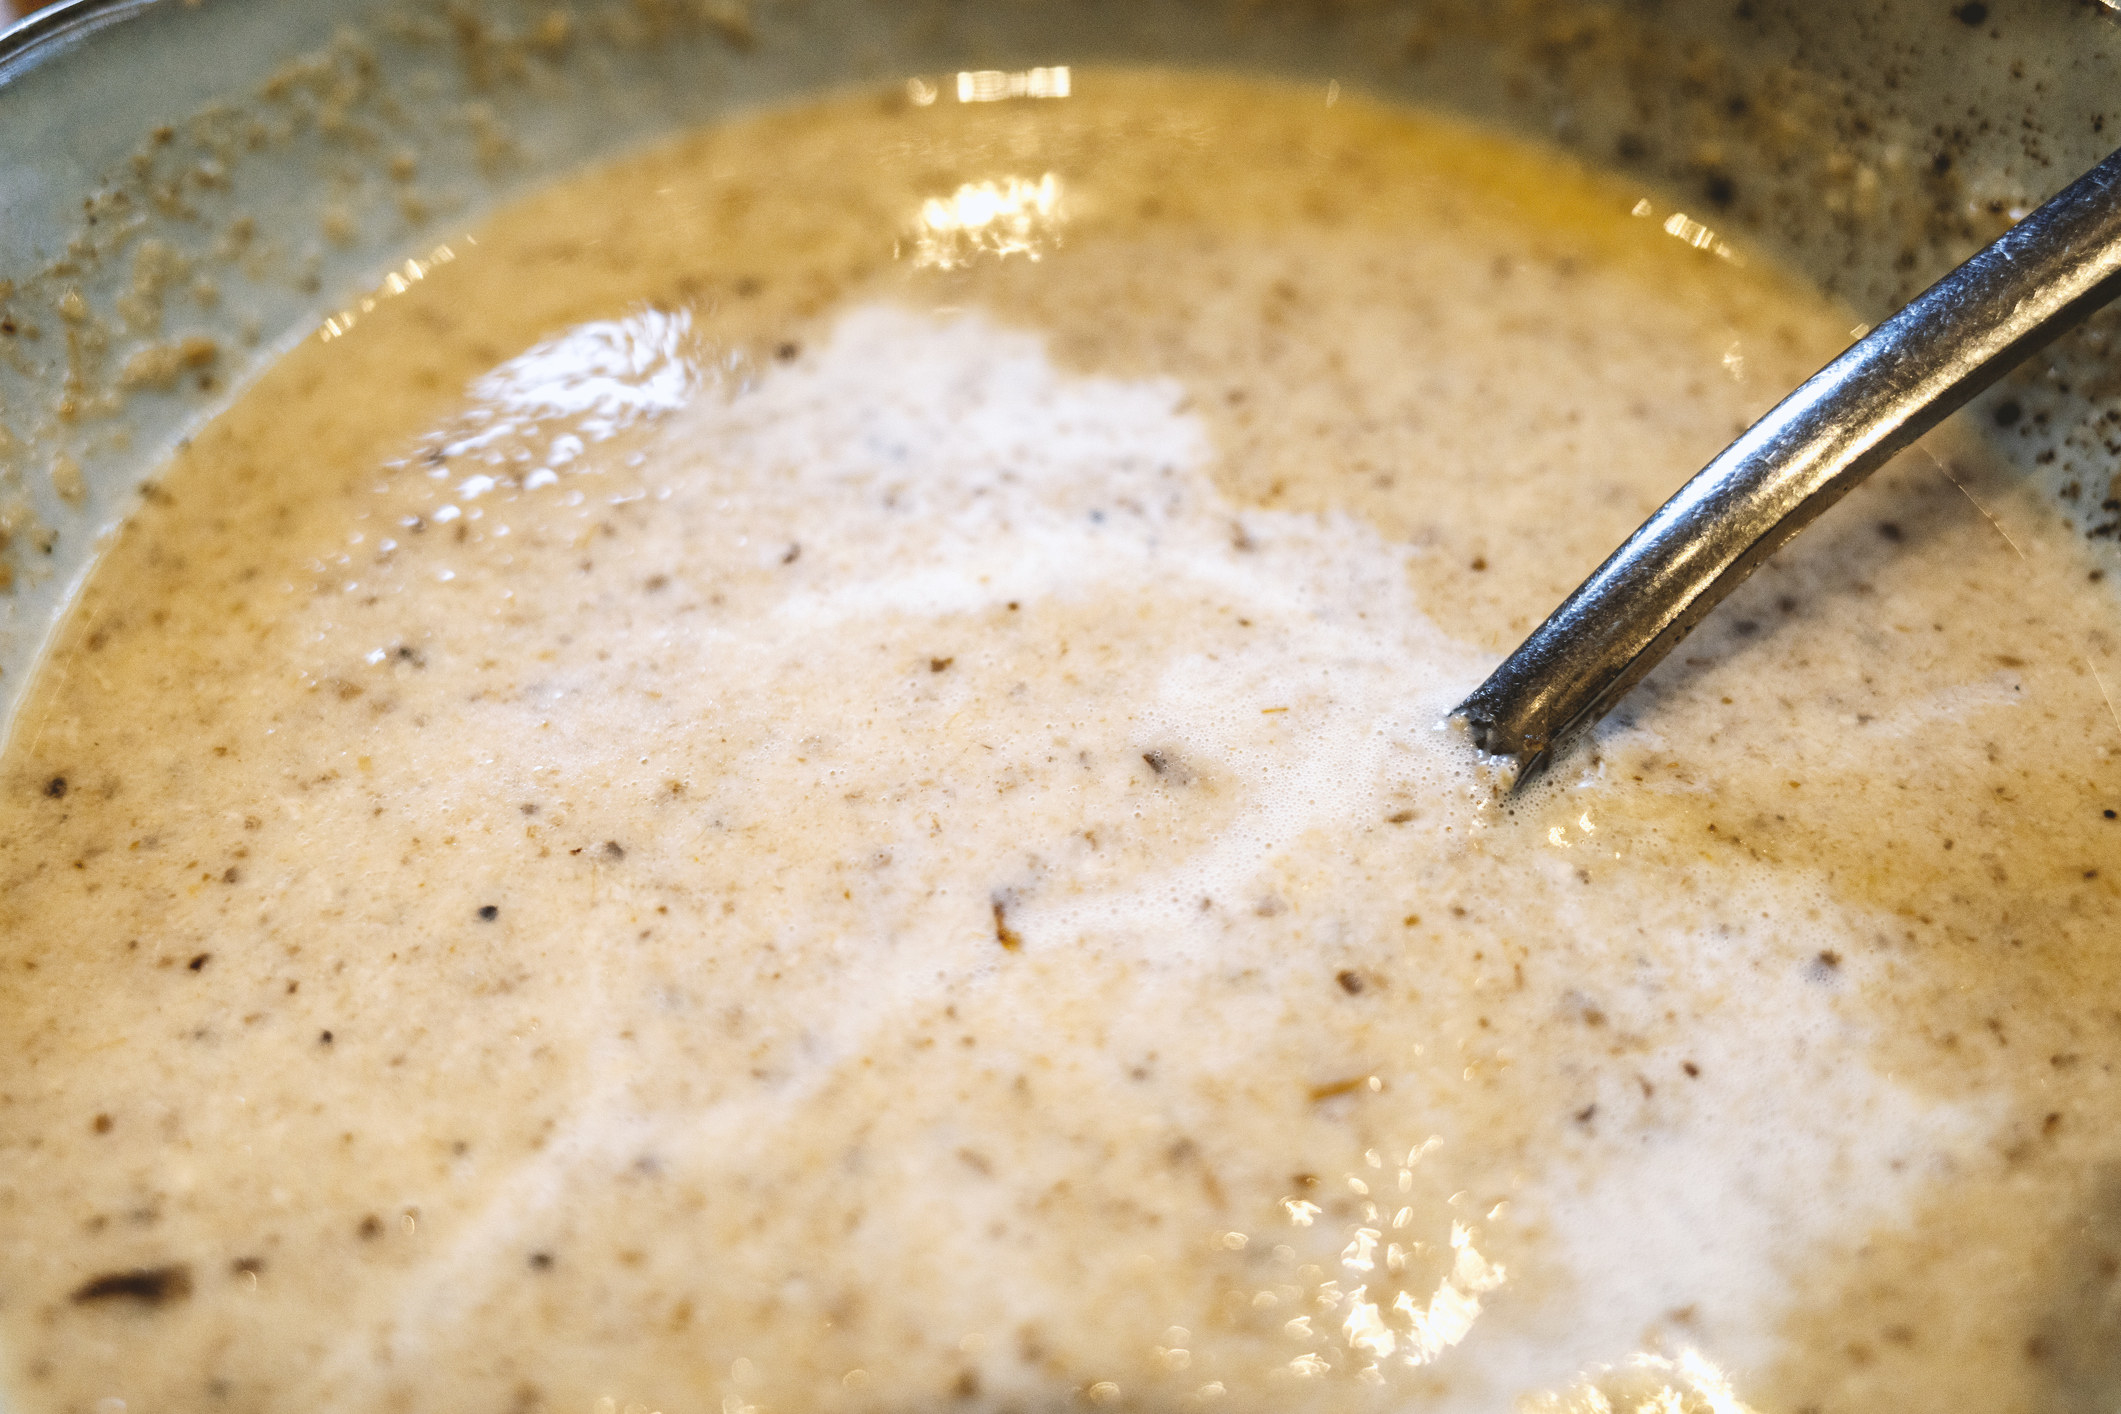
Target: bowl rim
(43,34)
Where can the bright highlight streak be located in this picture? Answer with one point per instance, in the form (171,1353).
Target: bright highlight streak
(995,85)
(1013,216)
(395,282)
(1647,1384)
(1699,236)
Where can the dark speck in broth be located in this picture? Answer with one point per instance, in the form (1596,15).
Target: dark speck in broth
(1007,936)
(145,1286)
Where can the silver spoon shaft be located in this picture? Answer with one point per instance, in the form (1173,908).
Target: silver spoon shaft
(2045,275)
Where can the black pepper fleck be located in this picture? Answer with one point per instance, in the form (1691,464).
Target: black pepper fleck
(488,912)
(2007,413)
(56,787)
(150,1286)
(1351,983)
(198,964)
(1971,13)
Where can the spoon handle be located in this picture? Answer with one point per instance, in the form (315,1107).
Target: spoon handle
(2044,276)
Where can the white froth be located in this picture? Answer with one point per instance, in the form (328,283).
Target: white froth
(939,465)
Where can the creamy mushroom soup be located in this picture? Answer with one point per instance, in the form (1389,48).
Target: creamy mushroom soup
(805,775)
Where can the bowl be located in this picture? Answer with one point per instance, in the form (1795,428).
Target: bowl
(193,188)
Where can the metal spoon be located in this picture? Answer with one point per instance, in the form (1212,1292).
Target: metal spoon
(2046,275)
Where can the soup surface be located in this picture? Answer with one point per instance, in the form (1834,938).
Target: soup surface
(807,778)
